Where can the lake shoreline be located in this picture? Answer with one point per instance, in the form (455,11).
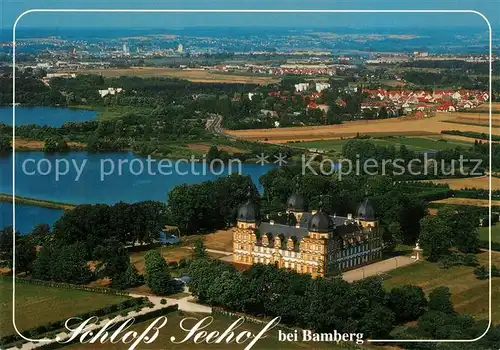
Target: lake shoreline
(8,198)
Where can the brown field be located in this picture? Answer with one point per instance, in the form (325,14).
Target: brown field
(480,115)
(199,76)
(476,182)
(472,121)
(22,144)
(395,126)
(220,240)
(467,201)
(478,119)
(495,106)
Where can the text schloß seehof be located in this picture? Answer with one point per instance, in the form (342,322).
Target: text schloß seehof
(196,332)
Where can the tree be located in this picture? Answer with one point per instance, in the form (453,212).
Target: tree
(42,266)
(112,259)
(209,205)
(378,322)
(440,300)
(5,146)
(407,302)
(463,224)
(62,264)
(88,224)
(129,278)
(25,256)
(213,153)
(7,242)
(199,249)
(70,264)
(40,234)
(149,218)
(157,275)
(355,149)
(435,237)
(55,144)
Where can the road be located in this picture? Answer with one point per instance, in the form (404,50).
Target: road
(377,268)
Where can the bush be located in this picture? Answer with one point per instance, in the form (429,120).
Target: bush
(163,301)
(124,313)
(182,263)
(458,259)
(481,273)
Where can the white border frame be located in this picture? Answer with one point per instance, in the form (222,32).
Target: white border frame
(242,11)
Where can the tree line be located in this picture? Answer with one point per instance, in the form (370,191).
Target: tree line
(323,304)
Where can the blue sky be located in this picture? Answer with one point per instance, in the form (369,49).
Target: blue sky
(10,9)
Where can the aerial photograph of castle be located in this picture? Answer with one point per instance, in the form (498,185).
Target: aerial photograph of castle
(249,175)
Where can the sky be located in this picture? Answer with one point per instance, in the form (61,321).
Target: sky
(10,10)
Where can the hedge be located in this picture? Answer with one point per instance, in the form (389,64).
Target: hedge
(435,194)
(58,325)
(472,134)
(477,193)
(71,286)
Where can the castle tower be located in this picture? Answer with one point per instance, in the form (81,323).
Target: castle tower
(366,214)
(314,247)
(295,204)
(244,237)
(248,214)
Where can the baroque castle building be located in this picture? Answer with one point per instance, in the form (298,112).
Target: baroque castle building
(318,243)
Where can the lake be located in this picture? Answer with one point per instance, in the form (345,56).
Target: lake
(45,115)
(27,216)
(94,186)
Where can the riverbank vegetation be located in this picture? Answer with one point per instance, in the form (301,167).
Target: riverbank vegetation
(8,198)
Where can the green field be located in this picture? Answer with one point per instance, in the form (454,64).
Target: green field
(220,323)
(37,305)
(495,233)
(412,143)
(469,294)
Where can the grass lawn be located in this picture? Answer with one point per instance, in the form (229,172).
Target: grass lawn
(220,324)
(412,143)
(469,294)
(37,305)
(495,233)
